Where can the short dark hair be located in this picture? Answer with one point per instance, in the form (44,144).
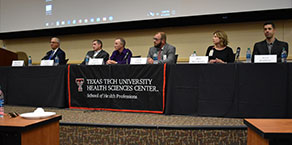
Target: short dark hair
(123,41)
(98,41)
(270,23)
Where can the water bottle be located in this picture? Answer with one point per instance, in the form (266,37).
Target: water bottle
(29,61)
(155,58)
(56,61)
(284,55)
(86,60)
(248,56)
(1,103)
(194,54)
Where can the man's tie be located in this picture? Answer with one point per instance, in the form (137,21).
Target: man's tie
(52,54)
(159,54)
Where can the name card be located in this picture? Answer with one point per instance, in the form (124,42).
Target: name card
(265,59)
(95,61)
(198,59)
(47,62)
(18,63)
(164,57)
(142,60)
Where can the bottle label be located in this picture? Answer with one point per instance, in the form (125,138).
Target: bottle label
(155,56)
(248,55)
(284,55)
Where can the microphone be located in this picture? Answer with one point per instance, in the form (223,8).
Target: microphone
(126,55)
(237,53)
(125,58)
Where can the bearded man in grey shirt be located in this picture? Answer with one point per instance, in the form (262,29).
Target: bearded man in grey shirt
(165,52)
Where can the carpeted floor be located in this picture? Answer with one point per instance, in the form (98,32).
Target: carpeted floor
(79,127)
(135,119)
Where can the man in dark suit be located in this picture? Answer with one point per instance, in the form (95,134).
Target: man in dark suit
(164,51)
(270,45)
(97,52)
(56,51)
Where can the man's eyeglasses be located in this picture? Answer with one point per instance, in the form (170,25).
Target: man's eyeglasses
(156,39)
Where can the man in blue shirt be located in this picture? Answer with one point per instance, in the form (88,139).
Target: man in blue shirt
(121,55)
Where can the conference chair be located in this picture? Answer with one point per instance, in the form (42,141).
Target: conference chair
(176,56)
(66,60)
(22,56)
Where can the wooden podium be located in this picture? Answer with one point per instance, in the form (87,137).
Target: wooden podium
(20,131)
(269,131)
(6,57)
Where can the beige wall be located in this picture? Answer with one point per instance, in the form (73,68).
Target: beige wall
(186,39)
(1,43)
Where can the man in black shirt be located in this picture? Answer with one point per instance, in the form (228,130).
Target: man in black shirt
(270,45)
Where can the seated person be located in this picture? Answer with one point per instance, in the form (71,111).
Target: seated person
(220,52)
(165,52)
(270,45)
(121,55)
(56,51)
(97,52)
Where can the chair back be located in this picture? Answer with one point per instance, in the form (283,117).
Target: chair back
(176,56)
(22,56)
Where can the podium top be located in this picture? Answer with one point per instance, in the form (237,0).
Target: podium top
(270,128)
(18,123)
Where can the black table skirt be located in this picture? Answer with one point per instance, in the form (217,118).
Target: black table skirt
(34,86)
(230,90)
(221,90)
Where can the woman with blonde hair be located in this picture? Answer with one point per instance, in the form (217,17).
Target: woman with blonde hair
(220,52)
